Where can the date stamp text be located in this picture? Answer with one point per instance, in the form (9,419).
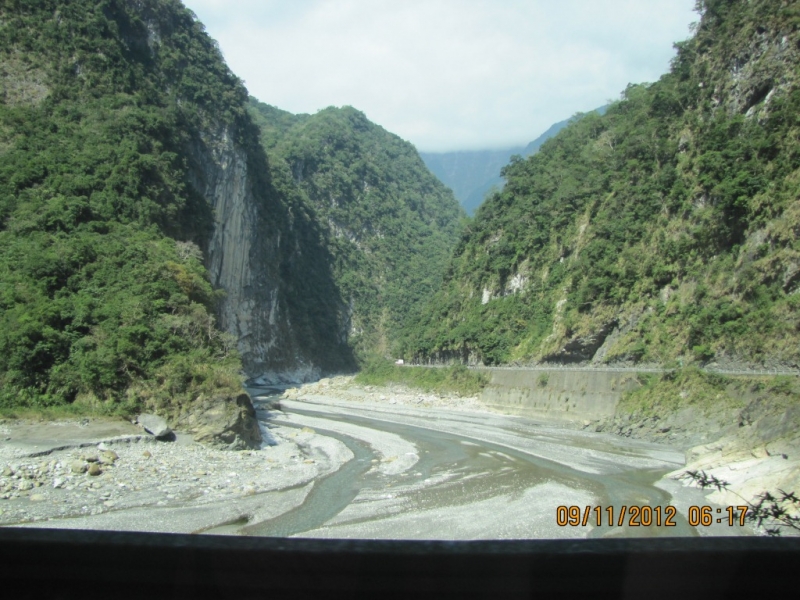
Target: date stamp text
(646,516)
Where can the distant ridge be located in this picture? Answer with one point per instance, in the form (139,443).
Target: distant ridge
(471,174)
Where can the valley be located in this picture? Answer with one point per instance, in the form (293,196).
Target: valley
(622,310)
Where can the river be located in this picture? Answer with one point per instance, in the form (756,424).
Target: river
(427,473)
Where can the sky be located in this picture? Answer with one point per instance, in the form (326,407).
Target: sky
(447,74)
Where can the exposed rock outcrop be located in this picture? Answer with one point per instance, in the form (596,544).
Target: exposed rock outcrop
(223,422)
(581,348)
(242,253)
(267,254)
(762,455)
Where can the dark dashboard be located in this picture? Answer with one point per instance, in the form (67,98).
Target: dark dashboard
(42,563)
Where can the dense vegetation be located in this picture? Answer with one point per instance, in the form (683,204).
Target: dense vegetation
(667,228)
(456,379)
(667,393)
(388,224)
(106,302)
(472,174)
(104,298)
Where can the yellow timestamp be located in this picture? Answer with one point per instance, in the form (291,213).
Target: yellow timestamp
(706,515)
(646,516)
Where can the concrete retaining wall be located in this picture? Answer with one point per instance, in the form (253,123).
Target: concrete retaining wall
(558,394)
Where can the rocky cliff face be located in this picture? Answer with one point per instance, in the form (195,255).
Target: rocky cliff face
(242,253)
(376,215)
(259,252)
(261,246)
(149,217)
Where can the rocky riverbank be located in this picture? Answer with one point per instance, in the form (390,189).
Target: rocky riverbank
(74,474)
(754,446)
(102,474)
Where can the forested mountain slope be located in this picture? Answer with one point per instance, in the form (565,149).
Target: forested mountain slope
(387,222)
(138,211)
(665,230)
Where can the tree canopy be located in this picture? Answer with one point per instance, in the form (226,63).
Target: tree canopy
(672,219)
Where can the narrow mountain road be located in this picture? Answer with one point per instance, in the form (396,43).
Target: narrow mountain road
(607,369)
(422,473)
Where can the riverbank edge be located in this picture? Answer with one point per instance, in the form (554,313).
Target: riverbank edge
(108,474)
(748,442)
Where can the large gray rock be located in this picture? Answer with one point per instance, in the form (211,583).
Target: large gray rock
(154,425)
(222,421)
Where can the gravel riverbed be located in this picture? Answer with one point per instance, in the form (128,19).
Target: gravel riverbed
(135,482)
(99,474)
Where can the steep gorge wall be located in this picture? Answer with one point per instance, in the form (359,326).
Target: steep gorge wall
(260,249)
(241,253)
(280,301)
(387,225)
(663,232)
(140,221)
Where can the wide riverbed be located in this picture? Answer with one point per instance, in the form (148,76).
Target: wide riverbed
(430,473)
(343,461)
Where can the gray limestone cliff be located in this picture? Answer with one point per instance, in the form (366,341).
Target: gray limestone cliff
(263,253)
(260,247)
(241,252)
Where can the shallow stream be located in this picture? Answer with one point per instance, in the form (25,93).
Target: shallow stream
(472,476)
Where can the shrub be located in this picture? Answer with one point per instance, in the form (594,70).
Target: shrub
(456,379)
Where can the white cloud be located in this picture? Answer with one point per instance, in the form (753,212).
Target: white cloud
(447,74)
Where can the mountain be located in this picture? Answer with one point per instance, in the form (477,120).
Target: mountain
(534,146)
(146,257)
(469,173)
(110,176)
(472,174)
(387,222)
(665,231)
(156,244)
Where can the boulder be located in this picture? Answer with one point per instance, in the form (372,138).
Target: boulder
(227,422)
(154,425)
(108,457)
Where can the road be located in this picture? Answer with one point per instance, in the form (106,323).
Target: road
(607,369)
